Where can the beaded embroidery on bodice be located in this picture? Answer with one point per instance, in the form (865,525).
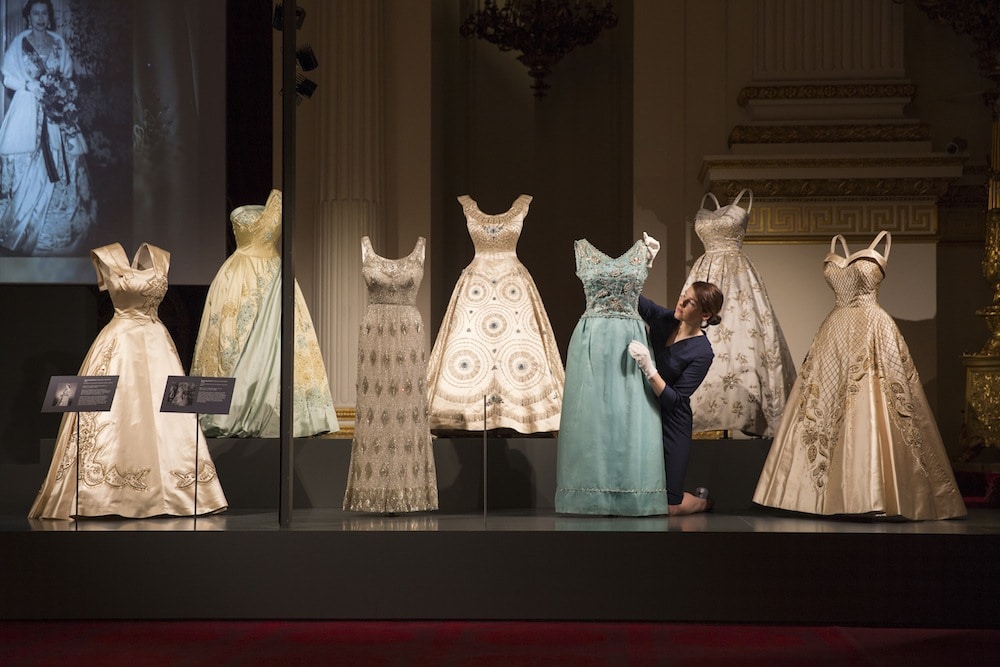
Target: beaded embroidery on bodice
(495,233)
(136,289)
(855,277)
(611,284)
(258,228)
(393,281)
(722,229)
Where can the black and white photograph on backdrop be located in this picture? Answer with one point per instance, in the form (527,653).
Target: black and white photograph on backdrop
(108,134)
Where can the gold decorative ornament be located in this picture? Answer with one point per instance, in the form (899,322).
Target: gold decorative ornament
(980,20)
(825,92)
(816,134)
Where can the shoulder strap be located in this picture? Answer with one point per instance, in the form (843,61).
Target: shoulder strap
(884,234)
(366,248)
(706,195)
(158,257)
(102,258)
(580,251)
(843,244)
(740,196)
(420,248)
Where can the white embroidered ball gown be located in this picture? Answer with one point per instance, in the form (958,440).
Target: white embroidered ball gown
(240,336)
(135,461)
(392,460)
(495,349)
(747,385)
(858,436)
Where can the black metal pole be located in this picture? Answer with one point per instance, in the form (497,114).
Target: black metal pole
(287,465)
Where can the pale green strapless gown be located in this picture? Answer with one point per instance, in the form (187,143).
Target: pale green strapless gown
(240,336)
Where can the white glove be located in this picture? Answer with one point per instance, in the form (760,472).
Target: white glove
(652,246)
(640,353)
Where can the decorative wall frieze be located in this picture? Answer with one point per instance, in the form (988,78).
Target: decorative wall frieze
(816,221)
(864,188)
(833,133)
(826,92)
(948,165)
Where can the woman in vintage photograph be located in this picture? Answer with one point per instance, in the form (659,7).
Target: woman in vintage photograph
(45,203)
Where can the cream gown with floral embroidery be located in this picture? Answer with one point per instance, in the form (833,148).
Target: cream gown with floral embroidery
(752,373)
(240,336)
(134,461)
(857,436)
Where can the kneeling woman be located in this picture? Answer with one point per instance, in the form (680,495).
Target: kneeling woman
(683,355)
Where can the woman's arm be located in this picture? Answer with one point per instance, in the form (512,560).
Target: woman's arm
(690,379)
(649,311)
(14,76)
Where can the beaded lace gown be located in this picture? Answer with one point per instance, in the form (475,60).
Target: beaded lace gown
(240,337)
(610,453)
(753,371)
(392,461)
(134,461)
(857,436)
(495,344)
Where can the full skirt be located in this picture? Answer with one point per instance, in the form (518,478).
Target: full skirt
(858,436)
(610,455)
(134,461)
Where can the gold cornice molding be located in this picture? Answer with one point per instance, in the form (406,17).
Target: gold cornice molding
(965,195)
(819,134)
(835,188)
(749,163)
(826,92)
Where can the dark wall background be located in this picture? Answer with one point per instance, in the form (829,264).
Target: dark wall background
(49,328)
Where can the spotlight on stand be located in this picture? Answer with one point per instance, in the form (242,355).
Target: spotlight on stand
(306,58)
(279,17)
(304,87)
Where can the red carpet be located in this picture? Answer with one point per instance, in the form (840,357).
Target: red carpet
(477,644)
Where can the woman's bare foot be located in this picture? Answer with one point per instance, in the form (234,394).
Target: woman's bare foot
(690,504)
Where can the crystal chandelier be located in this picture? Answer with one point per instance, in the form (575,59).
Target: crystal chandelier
(543,31)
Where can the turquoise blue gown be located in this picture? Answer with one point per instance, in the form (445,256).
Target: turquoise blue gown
(610,456)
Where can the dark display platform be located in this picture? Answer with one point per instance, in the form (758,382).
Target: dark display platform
(517,560)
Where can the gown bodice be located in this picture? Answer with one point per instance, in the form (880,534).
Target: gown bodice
(393,281)
(136,289)
(258,228)
(722,229)
(855,282)
(611,285)
(495,234)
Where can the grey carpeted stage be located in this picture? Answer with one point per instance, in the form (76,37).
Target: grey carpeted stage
(495,550)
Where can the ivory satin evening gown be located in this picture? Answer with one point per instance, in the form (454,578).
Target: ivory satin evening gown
(392,460)
(753,371)
(610,452)
(134,461)
(240,337)
(495,349)
(857,436)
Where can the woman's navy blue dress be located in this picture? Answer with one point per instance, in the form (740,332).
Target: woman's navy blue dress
(682,366)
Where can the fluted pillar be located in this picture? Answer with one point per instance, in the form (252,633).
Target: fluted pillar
(350,193)
(807,40)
